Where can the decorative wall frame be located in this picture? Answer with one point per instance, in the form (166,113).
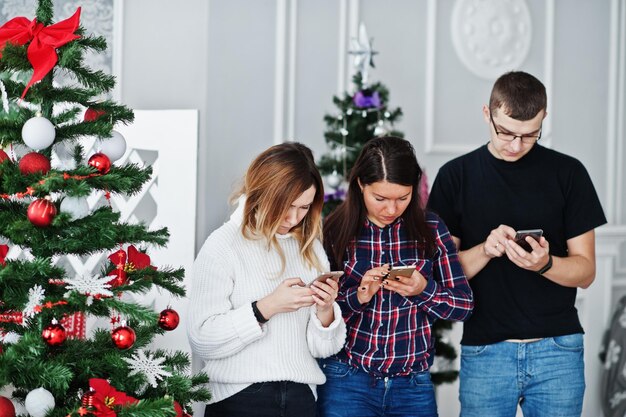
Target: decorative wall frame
(431,145)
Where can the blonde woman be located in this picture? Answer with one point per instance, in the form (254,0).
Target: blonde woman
(254,319)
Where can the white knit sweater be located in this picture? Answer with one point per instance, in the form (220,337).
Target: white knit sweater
(229,273)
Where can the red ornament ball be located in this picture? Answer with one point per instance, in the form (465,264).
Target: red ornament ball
(7,409)
(41,212)
(3,156)
(123,337)
(33,163)
(93,114)
(101,162)
(54,334)
(169,319)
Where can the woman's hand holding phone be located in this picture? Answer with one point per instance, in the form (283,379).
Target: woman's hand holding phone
(290,295)
(406,285)
(371,283)
(325,294)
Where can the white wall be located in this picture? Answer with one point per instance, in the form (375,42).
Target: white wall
(264,70)
(165,65)
(260,71)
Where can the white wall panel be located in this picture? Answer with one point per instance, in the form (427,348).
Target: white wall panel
(317,63)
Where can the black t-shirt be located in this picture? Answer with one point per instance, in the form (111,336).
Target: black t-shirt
(547,190)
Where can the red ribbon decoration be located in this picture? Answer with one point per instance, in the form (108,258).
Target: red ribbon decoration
(30,190)
(44,40)
(11,317)
(4,249)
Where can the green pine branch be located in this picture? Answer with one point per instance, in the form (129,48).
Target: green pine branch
(45,11)
(102,230)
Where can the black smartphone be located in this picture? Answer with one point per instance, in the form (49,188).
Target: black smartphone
(520,237)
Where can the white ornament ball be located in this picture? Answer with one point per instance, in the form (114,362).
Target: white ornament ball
(39,402)
(334,179)
(76,207)
(114,146)
(38,133)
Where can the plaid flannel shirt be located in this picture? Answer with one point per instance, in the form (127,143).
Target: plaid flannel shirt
(392,334)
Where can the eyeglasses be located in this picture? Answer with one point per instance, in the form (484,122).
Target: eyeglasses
(510,137)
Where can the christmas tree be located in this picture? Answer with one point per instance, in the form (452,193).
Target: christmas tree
(363,114)
(51,104)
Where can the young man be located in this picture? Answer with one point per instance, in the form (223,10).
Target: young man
(523,343)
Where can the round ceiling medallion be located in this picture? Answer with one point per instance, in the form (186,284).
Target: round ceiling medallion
(491,36)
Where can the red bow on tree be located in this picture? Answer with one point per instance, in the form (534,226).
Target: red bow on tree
(4,249)
(44,40)
(134,261)
(107,400)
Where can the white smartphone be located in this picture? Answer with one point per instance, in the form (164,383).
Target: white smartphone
(334,275)
(402,271)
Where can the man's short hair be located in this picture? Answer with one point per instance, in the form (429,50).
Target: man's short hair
(520,95)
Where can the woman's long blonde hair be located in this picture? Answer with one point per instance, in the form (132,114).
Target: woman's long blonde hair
(274,180)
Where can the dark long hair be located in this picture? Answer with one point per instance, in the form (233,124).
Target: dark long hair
(390,159)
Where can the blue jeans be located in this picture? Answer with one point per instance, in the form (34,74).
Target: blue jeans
(267,399)
(545,377)
(351,392)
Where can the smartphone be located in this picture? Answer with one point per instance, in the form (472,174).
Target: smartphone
(403,271)
(334,275)
(520,238)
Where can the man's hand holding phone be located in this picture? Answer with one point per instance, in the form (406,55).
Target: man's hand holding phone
(529,249)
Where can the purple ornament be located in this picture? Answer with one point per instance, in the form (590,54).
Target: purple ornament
(364,99)
(340,195)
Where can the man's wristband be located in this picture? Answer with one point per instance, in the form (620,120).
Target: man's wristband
(547,267)
(257,314)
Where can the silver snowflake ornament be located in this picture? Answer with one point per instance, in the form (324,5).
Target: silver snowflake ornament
(35,297)
(148,365)
(9,338)
(89,285)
